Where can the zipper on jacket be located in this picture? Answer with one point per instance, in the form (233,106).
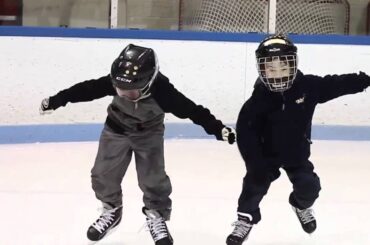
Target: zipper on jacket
(283,105)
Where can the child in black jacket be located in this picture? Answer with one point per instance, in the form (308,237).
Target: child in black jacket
(135,125)
(274,131)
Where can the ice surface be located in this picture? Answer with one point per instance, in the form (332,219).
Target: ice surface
(46,196)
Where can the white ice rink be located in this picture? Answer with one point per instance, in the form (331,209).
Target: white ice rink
(46,198)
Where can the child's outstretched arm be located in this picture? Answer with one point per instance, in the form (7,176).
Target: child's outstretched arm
(80,92)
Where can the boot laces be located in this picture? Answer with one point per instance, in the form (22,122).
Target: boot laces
(105,219)
(157,228)
(306,215)
(241,229)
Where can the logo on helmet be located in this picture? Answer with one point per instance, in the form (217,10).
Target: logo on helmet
(300,100)
(274,50)
(122,79)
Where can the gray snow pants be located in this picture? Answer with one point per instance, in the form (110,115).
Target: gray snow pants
(113,158)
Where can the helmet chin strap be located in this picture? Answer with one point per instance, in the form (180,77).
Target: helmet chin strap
(140,98)
(145,92)
(152,79)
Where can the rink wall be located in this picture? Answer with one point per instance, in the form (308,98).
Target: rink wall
(214,69)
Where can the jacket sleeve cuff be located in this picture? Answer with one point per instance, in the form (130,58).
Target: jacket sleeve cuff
(56,101)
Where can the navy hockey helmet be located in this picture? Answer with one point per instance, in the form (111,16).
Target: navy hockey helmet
(277,62)
(134,71)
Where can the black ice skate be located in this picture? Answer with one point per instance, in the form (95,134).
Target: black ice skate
(109,219)
(306,219)
(157,227)
(241,231)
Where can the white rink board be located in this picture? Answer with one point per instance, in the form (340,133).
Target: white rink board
(219,75)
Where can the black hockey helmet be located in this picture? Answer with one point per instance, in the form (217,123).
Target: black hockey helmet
(135,69)
(277,62)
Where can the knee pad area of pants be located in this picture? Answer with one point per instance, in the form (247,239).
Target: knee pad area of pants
(307,184)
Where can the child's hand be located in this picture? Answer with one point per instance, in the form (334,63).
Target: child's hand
(228,134)
(45,107)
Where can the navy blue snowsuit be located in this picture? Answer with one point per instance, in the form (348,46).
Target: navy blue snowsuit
(274,131)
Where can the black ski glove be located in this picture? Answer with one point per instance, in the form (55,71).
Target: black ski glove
(48,105)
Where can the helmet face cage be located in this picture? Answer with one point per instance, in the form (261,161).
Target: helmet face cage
(277,62)
(277,72)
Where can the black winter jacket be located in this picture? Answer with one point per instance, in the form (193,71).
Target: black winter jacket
(278,125)
(164,93)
